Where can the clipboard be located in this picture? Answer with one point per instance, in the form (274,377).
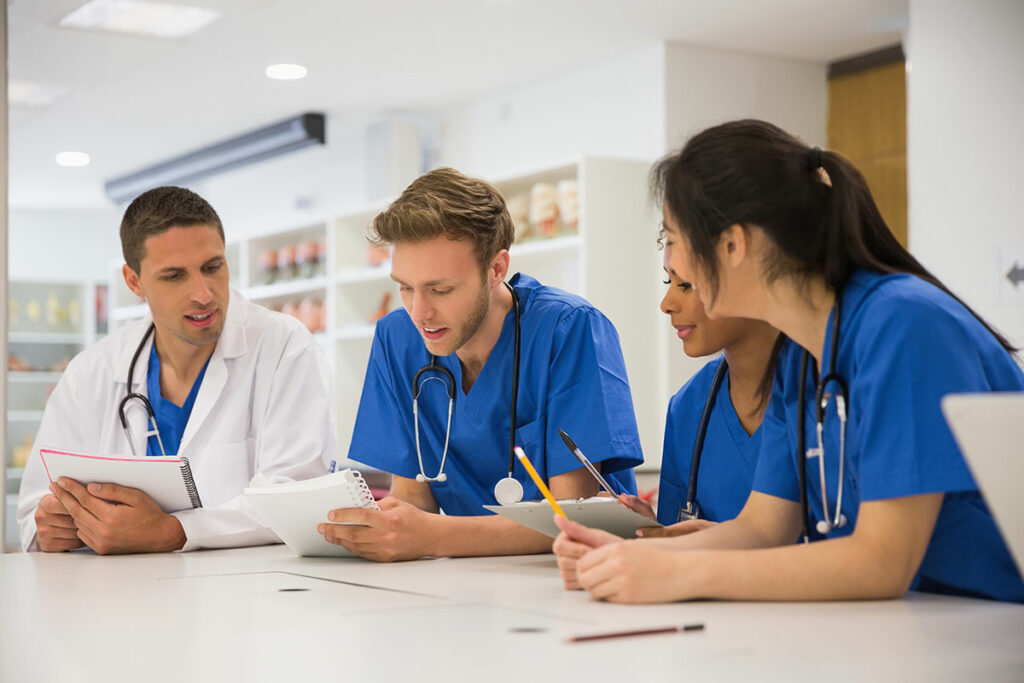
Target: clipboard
(599,512)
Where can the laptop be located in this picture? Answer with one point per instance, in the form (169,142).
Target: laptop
(989,428)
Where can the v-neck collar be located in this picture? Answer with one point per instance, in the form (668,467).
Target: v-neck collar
(498,361)
(727,411)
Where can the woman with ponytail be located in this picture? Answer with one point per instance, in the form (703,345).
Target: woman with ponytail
(767,228)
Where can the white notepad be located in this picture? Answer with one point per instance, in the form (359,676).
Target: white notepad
(293,510)
(165,479)
(598,512)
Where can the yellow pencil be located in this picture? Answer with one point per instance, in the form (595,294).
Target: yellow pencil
(538,481)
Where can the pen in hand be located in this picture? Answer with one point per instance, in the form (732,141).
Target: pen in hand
(538,481)
(574,449)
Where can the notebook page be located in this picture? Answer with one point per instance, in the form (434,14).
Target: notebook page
(293,510)
(158,477)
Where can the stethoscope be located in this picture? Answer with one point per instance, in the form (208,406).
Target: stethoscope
(152,428)
(508,490)
(692,508)
(838,519)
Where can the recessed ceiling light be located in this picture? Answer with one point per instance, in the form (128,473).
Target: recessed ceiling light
(158,19)
(33,95)
(286,72)
(72,159)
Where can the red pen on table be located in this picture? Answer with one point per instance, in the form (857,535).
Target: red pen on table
(686,628)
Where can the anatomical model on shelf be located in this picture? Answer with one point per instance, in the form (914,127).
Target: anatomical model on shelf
(544,209)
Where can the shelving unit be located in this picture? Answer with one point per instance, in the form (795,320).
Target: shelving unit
(609,258)
(48,322)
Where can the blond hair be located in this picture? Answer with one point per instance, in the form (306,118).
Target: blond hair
(446,202)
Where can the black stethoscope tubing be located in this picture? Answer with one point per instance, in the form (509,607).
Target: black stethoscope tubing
(135,396)
(691,509)
(434,366)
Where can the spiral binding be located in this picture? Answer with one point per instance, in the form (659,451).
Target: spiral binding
(364,498)
(190,484)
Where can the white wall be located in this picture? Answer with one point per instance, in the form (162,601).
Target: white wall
(62,244)
(964,148)
(615,108)
(705,86)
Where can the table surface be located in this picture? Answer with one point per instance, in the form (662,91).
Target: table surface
(261,614)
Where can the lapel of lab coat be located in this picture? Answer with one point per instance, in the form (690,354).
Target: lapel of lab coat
(232,343)
(138,421)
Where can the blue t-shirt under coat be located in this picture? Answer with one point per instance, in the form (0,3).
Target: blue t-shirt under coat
(171,419)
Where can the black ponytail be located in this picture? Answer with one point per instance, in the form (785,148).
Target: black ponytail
(814,206)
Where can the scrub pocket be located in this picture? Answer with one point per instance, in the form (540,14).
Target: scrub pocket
(531,437)
(222,471)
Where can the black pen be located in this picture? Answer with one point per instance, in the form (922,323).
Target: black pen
(586,463)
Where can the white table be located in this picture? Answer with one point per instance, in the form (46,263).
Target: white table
(262,614)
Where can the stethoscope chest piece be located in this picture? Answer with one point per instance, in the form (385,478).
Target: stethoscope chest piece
(508,491)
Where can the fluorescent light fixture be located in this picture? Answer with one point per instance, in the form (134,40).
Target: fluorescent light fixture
(34,95)
(72,159)
(286,72)
(159,19)
(279,138)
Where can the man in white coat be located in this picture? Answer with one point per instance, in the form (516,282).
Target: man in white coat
(237,389)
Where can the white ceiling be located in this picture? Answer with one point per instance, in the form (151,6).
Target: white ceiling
(135,101)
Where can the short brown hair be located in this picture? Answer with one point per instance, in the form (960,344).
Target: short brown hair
(158,210)
(446,202)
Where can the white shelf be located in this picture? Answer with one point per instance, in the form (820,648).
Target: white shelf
(32,376)
(46,338)
(355,332)
(540,245)
(368,274)
(129,312)
(24,415)
(286,288)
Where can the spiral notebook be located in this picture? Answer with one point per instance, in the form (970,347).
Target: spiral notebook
(166,479)
(294,509)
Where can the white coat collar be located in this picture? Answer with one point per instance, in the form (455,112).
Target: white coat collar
(231,344)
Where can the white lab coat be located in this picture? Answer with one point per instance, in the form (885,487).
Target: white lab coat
(264,407)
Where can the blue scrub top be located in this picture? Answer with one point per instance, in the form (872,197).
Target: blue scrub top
(728,459)
(171,419)
(572,377)
(904,344)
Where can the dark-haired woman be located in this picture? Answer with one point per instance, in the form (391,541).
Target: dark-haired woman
(733,390)
(765,227)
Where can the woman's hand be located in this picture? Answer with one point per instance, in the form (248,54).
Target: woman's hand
(573,543)
(635,572)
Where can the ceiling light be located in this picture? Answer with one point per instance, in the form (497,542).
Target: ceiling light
(271,141)
(158,19)
(33,95)
(72,159)
(286,72)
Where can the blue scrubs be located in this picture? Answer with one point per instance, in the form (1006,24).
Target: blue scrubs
(572,377)
(171,419)
(904,344)
(728,458)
